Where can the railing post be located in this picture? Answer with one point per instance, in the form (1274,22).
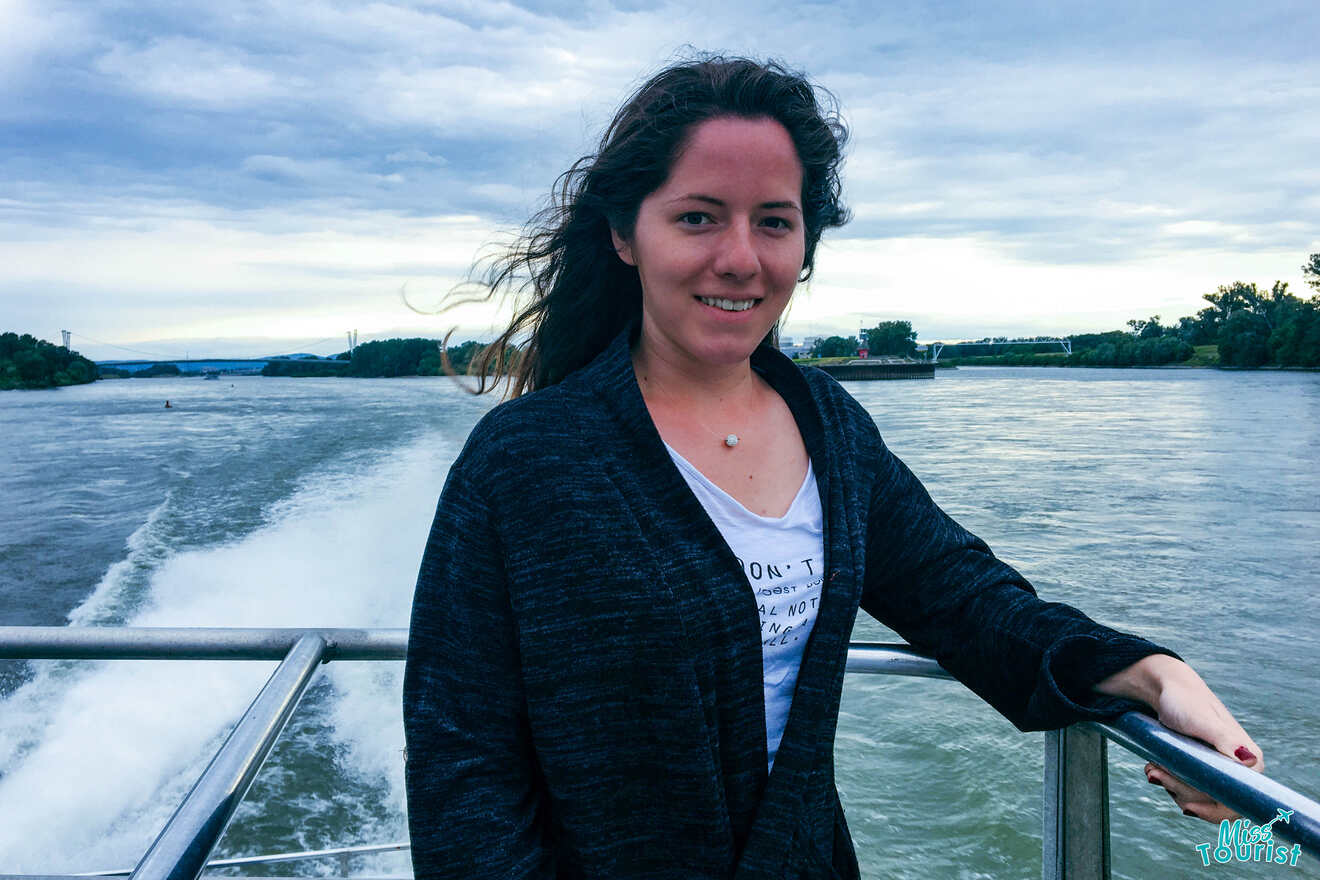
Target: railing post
(182,849)
(1076,806)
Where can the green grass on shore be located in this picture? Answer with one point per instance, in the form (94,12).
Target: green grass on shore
(816,362)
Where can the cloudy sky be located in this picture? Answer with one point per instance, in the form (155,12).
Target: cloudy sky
(245,178)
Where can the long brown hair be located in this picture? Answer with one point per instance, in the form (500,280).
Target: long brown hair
(573,293)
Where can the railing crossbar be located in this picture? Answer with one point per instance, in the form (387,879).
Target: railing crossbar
(194,643)
(340,852)
(183,847)
(1252,794)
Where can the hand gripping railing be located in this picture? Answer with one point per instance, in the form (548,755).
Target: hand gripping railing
(1075,828)
(1076,791)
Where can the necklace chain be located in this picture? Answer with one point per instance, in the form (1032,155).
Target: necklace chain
(730,440)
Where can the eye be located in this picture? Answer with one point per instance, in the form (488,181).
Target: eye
(777,223)
(694,218)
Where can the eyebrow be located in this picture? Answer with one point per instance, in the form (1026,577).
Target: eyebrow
(711,200)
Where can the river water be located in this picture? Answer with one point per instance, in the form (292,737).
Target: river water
(1180,504)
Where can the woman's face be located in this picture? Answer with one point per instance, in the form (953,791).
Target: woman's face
(719,246)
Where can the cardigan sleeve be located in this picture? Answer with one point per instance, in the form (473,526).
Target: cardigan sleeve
(476,803)
(940,587)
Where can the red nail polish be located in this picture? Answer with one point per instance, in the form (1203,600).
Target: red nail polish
(1243,754)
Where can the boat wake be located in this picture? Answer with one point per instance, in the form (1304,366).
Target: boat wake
(94,757)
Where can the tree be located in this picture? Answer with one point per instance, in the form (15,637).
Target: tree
(28,362)
(1311,269)
(1272,306)
(1106,354)
(1147,329)
(1244,340)
(1171,349)
(892,337)
(293,368)
(460,356)
(392,357)
(1208,320)
(1231,298)
(31,366)
(1249,324)
(835,346)
(1188,330)
(1296,341)
(1276,307)
(157,370)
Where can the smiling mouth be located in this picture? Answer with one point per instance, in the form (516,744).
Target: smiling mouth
(728,305)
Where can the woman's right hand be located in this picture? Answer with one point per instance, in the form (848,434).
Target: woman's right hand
(1184,704)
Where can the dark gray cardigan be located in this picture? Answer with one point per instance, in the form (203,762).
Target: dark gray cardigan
(583,693)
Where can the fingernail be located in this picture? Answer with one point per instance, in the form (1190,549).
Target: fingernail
(1189,813)
(1152,780)
(1243,754)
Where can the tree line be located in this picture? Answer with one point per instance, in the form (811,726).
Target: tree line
(1248,325)
(152,372)
(886,338)
(1255,327)
(1113,348)
(28,362)
(383,358)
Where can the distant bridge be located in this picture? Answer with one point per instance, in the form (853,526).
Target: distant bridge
(231,366)
(936,347)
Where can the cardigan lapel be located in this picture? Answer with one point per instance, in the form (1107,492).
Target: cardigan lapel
(715,609)
(720,620)
(812,718)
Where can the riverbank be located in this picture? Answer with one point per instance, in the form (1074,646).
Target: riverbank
(1204,357)
(1270,368)
(31,364)
(880,369)
(1107,355)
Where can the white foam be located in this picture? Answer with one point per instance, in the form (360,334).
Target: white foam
(99,755)
(146,549)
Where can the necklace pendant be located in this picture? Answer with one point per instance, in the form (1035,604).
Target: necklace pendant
(731,440)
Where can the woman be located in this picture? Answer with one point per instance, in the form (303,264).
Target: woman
(593,687)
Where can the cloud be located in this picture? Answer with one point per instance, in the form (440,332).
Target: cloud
(320,173)
(232,162)
(35,33)
(189,71)
(1034,156)
(414,156)
(196,270)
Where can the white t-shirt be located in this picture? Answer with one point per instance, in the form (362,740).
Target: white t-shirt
(782,558)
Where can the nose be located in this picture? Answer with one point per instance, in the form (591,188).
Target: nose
(737,259)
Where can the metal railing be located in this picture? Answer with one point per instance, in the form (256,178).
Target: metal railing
(342,854)
(1075,829)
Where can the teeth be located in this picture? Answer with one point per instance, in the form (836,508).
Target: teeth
(729,305)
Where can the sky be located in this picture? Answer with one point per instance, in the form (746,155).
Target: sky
(244,179)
